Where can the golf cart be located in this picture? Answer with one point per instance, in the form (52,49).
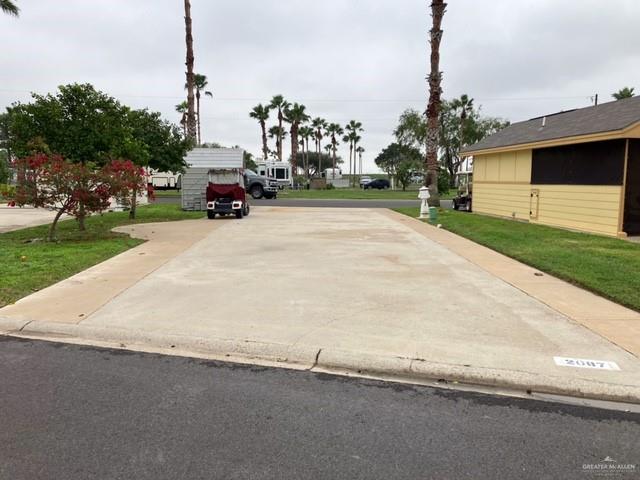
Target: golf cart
(464,182)
(226,193)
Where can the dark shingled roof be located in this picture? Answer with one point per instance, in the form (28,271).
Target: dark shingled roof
(606,117)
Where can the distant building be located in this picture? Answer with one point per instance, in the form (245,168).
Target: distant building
(578,169)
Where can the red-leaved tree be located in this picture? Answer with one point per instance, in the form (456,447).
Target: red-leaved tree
(50,181)
(126,180)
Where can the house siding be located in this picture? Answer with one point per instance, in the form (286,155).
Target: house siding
(501,184)
(502,187)
(592,208)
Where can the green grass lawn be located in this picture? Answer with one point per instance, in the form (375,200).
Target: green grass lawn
(609,267)
(354,194)
(28,263)
(167,193)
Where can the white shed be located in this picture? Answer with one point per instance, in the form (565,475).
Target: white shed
(196,177)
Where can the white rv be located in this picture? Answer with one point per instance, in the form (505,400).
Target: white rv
(164,180)
(278,171)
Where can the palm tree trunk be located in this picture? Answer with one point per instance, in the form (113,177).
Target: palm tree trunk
(307,172)
(319,157)
(191,114)
(333,173)
(279,146)
(438,8)
(294,147)
(350,163)
(198,116)
(265,146)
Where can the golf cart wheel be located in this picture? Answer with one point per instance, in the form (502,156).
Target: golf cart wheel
(239,213)
(247,210)
(211,214)
(455,205)
(257,192)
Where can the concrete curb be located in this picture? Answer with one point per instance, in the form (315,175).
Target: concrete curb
(420,370)
(9,325)
(185,345)
(325,359)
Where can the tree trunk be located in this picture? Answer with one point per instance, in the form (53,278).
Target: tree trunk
(82,213)
(438,8)
(279,145)
(294,147)
(52,229)
(134,203)
(307,165)
(319,156)
(198,116)
(265,146)
(333,142)
(351,168)
(191,114)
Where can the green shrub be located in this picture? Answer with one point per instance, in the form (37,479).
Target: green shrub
(7,192)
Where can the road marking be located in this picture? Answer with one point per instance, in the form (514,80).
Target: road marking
(585,363)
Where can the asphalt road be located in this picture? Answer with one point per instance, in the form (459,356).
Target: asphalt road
(303,202)
(72,412)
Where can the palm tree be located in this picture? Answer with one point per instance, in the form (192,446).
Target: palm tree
(625,92)
(328,149)
(334,130)
(348,138)
(200,82)
(465,104)
(279,134)
(10,8)
(438,7)
(191,112)
(182,108)
(305,133)
(319,125)
(261,113)
(360,151)
(280,104)
(353,128)
(295,115)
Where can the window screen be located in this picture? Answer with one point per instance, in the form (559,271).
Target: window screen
(595,163)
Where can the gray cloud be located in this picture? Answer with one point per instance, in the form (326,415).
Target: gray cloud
(344,59)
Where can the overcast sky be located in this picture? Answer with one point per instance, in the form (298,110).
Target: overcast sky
(344,59)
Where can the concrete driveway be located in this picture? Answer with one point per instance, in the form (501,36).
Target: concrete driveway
(14,218)
(335,284)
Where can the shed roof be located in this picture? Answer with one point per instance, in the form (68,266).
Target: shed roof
(215,158)
(606,117)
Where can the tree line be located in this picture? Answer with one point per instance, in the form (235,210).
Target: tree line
(72,148)
(302,129)
(460,123)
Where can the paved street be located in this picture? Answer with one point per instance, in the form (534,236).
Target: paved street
(302,202)
(71,412)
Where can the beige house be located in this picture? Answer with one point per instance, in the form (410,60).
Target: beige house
(578,169)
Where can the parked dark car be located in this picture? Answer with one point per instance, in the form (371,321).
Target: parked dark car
(379,183)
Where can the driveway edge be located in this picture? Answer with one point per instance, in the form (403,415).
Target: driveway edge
(315,358)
